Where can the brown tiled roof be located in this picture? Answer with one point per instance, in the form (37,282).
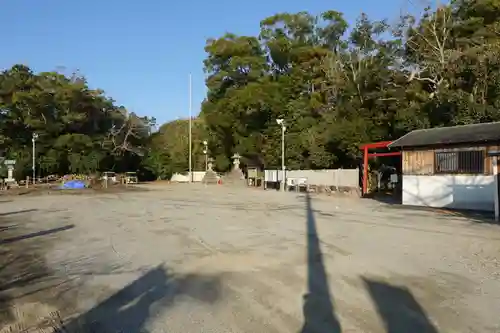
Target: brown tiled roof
(476,133)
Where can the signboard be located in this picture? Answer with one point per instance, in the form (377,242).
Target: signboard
(9,162)
(252,173)
(394,178)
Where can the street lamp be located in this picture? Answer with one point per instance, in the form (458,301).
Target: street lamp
(281,122)
(205,151)
(33,140)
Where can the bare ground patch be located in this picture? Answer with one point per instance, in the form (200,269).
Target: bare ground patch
(187,258)
(54,190)
(29,289)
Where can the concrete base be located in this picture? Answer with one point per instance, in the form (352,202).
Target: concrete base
(210,178)
(10,182)
(235,177)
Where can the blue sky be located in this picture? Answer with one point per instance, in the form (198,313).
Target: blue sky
(141,52)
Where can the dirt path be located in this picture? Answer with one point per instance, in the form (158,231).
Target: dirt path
(30,291)
(183,258)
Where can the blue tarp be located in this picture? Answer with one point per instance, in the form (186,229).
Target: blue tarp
(73,184)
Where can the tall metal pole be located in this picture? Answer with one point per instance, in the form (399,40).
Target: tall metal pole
(33,166)
(497,195)
(205,151)
(283,155)
(190,128)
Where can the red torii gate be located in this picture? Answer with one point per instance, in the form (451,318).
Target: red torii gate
(366,155)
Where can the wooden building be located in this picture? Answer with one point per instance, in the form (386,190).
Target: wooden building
(452,167)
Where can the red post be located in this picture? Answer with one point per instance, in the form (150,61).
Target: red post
(365,170)
(366,155)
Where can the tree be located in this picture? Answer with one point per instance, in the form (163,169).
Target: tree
(337,90)
(337,86)
(79,129)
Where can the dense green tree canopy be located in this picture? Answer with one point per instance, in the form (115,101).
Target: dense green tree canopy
(336,85)
(78,129)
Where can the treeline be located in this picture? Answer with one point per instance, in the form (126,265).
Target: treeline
(338,86)
(76,129)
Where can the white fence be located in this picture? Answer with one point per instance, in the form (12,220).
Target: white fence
(328,177)
(184,178)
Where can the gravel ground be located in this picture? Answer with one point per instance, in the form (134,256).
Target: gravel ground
(188,258)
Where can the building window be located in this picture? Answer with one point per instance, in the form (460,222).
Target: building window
(466,161)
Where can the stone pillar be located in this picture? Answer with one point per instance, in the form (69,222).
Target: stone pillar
(210,176)
(236,176)
(236,162)
(10,173)
(10,170)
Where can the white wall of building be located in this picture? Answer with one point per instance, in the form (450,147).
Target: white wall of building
(475,192)
(184,178)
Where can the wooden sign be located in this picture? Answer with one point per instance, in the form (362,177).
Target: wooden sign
(252,173)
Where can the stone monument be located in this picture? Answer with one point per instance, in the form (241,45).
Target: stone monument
(10,172)
(210,176)
(235,176)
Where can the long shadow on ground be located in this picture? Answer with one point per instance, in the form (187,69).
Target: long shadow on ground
(22,264)
(36,234)
(476,216)
(318,309)
(26,277)
(18,212)
(130,309)
(398,308)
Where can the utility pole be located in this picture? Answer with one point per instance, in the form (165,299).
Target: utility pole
(281,122)
(33,166)
(190,128)
(283,156)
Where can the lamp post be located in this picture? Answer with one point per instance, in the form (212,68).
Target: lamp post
(190,128)
(281,122)
(205,151)
(33,166)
